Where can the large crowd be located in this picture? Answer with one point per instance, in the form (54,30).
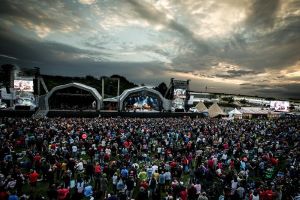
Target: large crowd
(143,158)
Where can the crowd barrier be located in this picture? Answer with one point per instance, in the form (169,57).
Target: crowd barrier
(89,114)
(16,113)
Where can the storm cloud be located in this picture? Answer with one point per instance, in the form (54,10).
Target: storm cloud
(251,45)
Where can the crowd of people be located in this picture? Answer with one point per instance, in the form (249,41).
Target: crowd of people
(149,158)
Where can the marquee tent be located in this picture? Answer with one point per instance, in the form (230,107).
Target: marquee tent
(235,113)
(201,107)
(215,111)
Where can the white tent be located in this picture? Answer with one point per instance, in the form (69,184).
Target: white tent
(235,113)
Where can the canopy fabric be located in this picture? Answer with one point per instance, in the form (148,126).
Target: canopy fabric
(215,110)
(201,107)
(234,112)
(91,90)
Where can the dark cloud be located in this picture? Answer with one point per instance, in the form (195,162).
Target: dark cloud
(257,45)
(262,14)
(98,42)
(276,49)
(254,86)
(282,91)
(150,13)
(279,90)
(265,40)
(60,59)
(237,73)
(182,71)
(27,49)
(55,14)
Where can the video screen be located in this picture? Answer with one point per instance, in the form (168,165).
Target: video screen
(282,106)
(23,85)
(179,93)
(178,103)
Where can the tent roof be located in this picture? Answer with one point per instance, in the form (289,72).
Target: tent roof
(78,85)
(253,110)
(235,112)
(127,92)
(90,89)
(201,107)
(215,110)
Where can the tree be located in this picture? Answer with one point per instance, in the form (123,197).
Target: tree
(270,98)
(228,99)
(243,101)
(90,77)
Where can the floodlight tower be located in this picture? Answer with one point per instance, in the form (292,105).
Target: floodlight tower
(118,89)
(9,79)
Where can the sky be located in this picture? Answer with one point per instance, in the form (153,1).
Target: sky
(249,47)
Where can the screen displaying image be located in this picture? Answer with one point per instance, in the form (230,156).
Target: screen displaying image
(23,85)
(178,103)
(180,93)
(282,106)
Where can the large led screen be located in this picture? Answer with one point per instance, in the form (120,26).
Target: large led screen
(282,106)
(179,93)
(23,85)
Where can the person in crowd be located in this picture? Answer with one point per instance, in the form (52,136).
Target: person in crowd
(166,158)
(103,185)
(63,193)
(202,196)
(33,179)
(88,190)
(80,185)
(152,186)
(130,186)
(52,192)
